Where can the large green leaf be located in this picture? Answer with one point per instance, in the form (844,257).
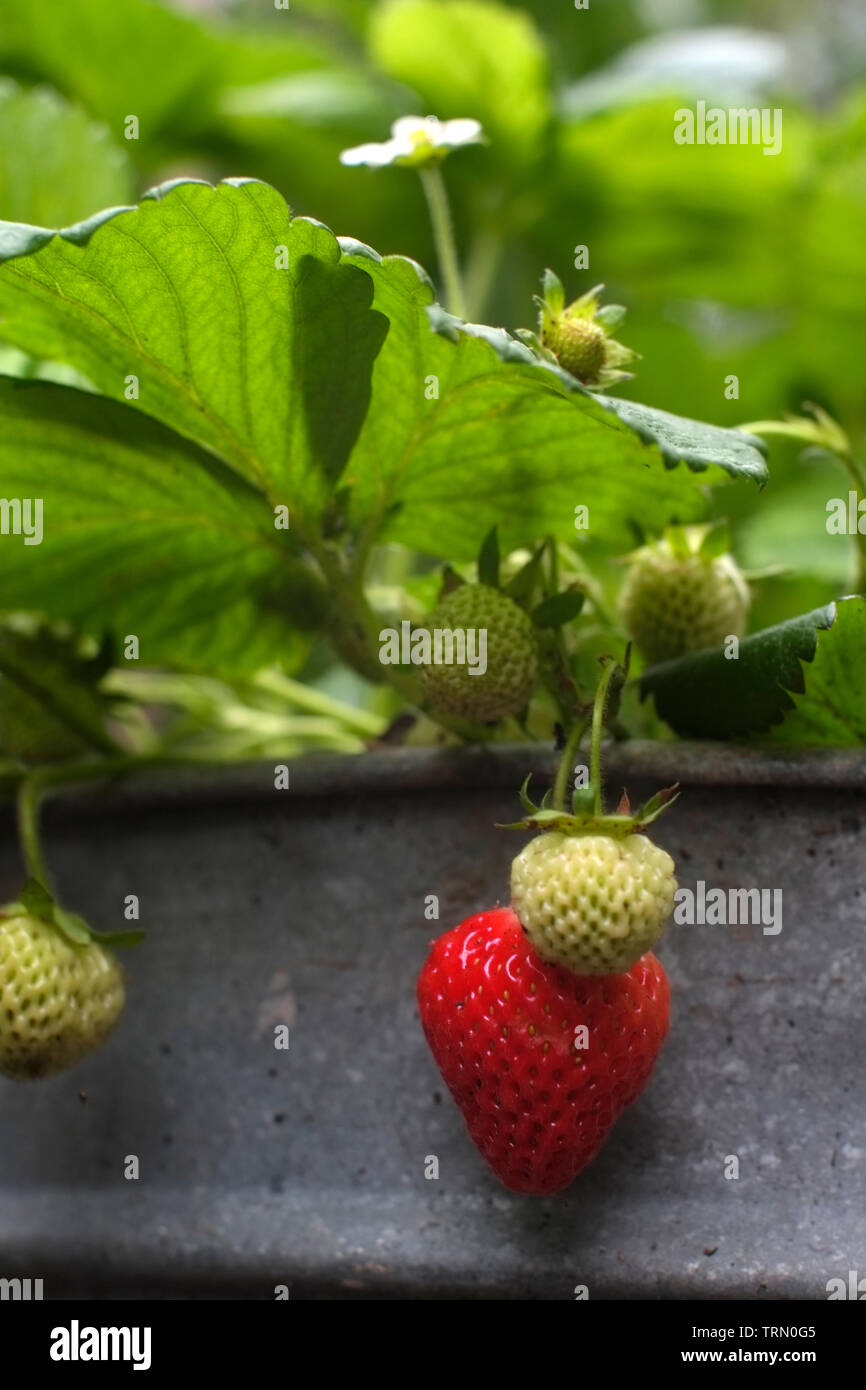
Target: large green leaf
(708,695)
(188,293)
(833,709)
(143,533)
(469,58)
(249,360)
(282,376)
(55,164)
(510,441)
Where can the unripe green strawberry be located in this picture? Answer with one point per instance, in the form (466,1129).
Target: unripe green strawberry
(579,346)
(579,336)
(593,903)
(58,1000)
(511,656)
(673,603)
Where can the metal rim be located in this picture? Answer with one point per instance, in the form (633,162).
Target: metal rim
(383,771)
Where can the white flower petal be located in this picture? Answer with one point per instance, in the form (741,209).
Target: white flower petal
(415,141)
(407,129)
(374,156)
(462,131)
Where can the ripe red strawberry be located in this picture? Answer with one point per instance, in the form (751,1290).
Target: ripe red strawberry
(504,1029)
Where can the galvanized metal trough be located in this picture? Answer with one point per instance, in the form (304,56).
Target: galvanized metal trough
(305,1167)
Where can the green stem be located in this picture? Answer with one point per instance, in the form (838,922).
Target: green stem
(306,697)
(598,713)
(553,551)
(27,808)
(563,772)
(556,670)
(36,785)
(859,479)
(481,271)
(592,589)
(443,234)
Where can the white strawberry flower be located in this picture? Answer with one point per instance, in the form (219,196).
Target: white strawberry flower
(416,141)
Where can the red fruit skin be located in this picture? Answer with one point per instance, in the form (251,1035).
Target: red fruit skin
(501,1023)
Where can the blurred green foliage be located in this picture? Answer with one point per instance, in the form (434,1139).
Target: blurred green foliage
(731,263)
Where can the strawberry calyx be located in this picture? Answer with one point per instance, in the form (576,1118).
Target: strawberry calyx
(36,901)
(587,815)
(583,819)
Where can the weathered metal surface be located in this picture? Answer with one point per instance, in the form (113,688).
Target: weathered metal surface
(261,1167)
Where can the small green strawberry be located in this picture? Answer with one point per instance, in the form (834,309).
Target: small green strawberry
(594,903)
(592,892)
(579,346)
(578,336)
(61,991)
(681,595)
(504,638)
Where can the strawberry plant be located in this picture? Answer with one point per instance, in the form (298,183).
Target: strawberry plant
(267,490)
(266,439)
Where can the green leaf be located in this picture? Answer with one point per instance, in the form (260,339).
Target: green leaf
(285,390)
(50,703)
(144,531)
(833,709)
(488,559)
(678,540)
(693,442)
(469,58)
(268,367)
(705,695)
(716,542)
(521,585)
(36,900)
(133,937)
(553,291)
(504,438)
(610,315)
(559,609)
(73,926)
(55,164)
